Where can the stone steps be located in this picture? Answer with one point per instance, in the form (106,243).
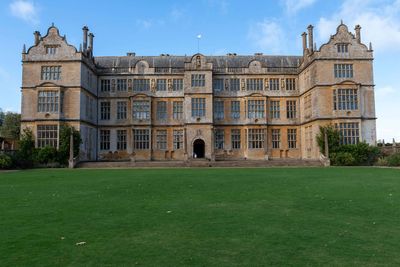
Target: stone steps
(201,163)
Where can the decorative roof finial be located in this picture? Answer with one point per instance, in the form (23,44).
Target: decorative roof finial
(370,46)
(24,49)
(52,24)
(341,21)
(80,48)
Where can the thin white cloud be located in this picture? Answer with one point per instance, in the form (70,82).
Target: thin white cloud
(268,36)
(222,5)
(384,91)
(177,14)
(25,10)
(144,23)
(293,6)
(149,23)
(380,22)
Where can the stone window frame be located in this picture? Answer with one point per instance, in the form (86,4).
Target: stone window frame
(121,139)
(105,85)
(291,109)
(105,110)
(50,73)
(177,84)
(342,48)
(161,139)
(290,84)
(255,109)
(256,138)
(161,85)
(343,71)
(349,132)
(254,84)
(105,139)
(122,85)
(141,139)
(219,138)
(218,84)
(275,109)
(292,138)
(122,110)
(141,85)
(178,139)
(177,110)
(141,109)
(235,109)
(219,112)
(47,135)
(276,138)
(51,49)
(234,84)
(235,138)
(345,99)
(198,80)
(198,107)
(161,110)
(49,101)
(274,84)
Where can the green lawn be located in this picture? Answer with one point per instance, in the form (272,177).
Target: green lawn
(200,217)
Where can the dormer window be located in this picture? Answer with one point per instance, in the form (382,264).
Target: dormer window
(51,49)
(342,48)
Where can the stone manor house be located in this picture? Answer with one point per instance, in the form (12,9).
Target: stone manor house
(166,107)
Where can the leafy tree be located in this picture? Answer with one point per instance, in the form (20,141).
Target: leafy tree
(26,152)
(333,139)
(65,133)
(47,154)
(11,124)
(2,114)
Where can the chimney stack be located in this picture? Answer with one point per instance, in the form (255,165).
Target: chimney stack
(91,35)
(37,37)
(85,30)
(304,36)
(310,38)
(358,33)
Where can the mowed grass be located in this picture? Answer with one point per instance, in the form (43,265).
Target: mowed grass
(200,217)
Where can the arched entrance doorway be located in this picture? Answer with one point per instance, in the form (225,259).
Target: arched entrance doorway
(198,148)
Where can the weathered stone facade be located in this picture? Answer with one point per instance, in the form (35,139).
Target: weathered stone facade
(181,107)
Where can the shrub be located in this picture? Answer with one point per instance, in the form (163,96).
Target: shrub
(333,139)
(25,155)
(5,161)
(393,160)
(65,133)
(342,159)
(363,153)
(381,162)
(46,155)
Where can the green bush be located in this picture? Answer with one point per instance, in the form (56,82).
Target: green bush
(46,155)
(5,161)
(26,153)
(381,162)
(333,139)
(65,133)
(363,153)
(393,160)
(342,159)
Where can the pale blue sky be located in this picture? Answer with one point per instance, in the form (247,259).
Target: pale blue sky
(156,27)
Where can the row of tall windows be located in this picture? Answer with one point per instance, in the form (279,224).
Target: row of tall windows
(141,110)
(140,85)
(291,138)
(141,139)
